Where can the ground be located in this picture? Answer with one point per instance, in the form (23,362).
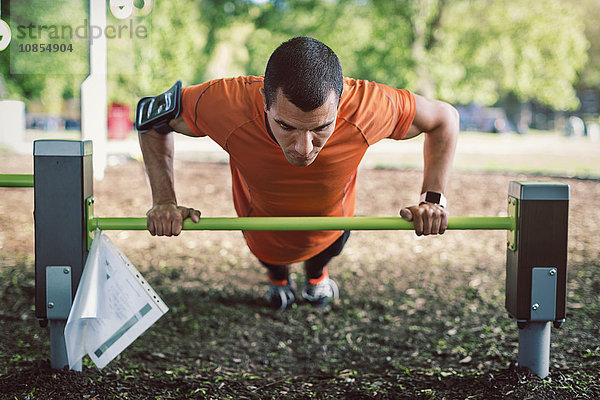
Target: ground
(419,318)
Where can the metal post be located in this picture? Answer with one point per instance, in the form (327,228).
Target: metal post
(93,88)
(534,347)
(536,267)
(62,181)
(58,349)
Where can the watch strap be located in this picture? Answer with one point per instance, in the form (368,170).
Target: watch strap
(433,198)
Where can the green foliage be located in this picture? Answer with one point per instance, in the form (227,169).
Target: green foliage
(49,76)
(458,50)
(492,48)
(589,12)
(172,50)
(350,28)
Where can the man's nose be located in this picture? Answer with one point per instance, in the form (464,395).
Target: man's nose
(304,144)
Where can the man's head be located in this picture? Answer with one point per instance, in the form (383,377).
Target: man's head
(302,90)
(306,70)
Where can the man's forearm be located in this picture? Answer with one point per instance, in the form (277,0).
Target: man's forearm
(438,154)
(158,150)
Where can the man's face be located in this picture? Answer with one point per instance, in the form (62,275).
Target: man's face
(301,134)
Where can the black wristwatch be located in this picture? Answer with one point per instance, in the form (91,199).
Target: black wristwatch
(433,198)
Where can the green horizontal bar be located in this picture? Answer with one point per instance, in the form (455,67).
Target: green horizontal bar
(16,180)
(305,223)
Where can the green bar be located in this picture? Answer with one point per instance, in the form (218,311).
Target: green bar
(16,180)
(305,223)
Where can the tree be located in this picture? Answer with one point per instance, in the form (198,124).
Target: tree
(467,51)
(138,65)
(52,74)
(351,28)
(488,49)
(461,51)
(588,86)
(150,64)
(590,15)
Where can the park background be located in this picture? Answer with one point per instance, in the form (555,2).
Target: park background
(509,66)
(419,318)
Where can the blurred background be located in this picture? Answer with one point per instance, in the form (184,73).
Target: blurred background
(524,75)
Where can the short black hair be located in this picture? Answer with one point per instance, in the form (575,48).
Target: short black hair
(306,70)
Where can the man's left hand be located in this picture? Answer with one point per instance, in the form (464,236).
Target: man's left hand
(428,218)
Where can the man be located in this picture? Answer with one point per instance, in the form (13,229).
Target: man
(295,139)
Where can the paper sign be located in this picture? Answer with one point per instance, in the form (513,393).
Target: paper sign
(113,306)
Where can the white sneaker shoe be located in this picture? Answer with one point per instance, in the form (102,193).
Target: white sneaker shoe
(320,294)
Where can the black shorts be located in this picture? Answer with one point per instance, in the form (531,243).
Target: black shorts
(323,257)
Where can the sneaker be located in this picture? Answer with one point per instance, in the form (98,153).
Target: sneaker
(319,295)
(281,297)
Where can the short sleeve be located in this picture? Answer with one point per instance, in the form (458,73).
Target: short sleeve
(405,108)
(189,97)
(378,111)
(204,106)
(216,108)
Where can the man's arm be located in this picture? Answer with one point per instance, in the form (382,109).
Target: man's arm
(165,218)
(440,123)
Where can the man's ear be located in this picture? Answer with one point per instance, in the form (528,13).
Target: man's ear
(264,97)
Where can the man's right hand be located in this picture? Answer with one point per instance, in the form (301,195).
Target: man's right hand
(167,219)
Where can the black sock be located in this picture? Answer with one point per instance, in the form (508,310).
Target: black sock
(277,272)
(314,268)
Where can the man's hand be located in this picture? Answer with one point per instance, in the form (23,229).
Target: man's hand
(428,218)
(167,219)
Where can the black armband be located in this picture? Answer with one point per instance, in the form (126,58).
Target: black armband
(156,112)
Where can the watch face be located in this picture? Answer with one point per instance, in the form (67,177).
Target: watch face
(433,197)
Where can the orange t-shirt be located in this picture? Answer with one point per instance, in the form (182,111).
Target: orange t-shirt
(265,184)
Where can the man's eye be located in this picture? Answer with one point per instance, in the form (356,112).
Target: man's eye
(286,128)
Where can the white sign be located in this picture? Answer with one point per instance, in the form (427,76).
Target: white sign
(113,306)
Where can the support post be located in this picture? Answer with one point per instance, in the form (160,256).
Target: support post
(93,89)
(58,347)
(62,181)
(536,267)
(534,347)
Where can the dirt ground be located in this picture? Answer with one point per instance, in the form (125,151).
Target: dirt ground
(418,318)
